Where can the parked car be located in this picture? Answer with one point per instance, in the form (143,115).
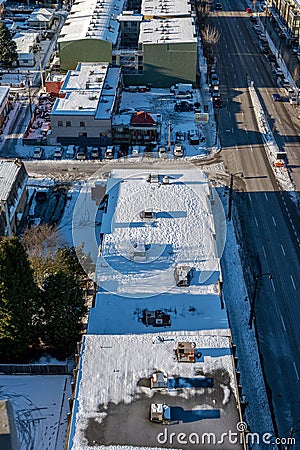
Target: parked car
(135,151)
(162,151)
(276,97)
(70,152)
(183,106)
(217,102)
(58,152)
(81,153)
(193,137)
(248,10)
(38,152)
(95,153)
(109,153)
(218,6)
(293,100)
(178,150)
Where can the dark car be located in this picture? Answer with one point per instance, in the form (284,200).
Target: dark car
(183,106)
(276,97)
(218,7)
(217,102)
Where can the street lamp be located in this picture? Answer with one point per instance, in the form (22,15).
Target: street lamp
(230,192)
(257,277)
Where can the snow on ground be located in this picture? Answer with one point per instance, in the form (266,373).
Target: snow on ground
(40,406)
(66,223)
(161,101)
(181,232)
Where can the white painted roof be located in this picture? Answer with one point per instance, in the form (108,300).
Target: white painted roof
(92,19)
(41,15)
(166,8)
(165,31)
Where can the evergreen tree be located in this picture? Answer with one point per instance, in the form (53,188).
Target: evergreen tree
(63,309)
(18,300)
(8,47)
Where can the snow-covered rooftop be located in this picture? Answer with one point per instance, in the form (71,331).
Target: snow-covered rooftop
(113,395)
(8,174)
(165,31)
(166,8)
(181,232)
(90,90)
(92,19)
(43,15)
(25,40)
(4,90)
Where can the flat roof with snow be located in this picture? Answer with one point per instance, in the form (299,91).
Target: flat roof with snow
(92,19)
(4,90)
(166,8)
(182,232)
(8,173)
(113,397)
(167,31)
(90,90)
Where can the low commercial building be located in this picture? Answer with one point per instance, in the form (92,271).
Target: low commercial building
(13,195)
(25,42)
(4,104)
(135,376)
(89,98)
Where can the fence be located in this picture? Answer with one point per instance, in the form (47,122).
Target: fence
(38,369)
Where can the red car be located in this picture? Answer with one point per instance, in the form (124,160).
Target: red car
(248,10)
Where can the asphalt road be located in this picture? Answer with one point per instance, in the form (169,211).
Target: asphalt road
(269,220)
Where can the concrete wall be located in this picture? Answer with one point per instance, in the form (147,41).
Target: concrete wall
(85,50)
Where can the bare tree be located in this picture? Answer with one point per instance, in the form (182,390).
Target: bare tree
(210,39)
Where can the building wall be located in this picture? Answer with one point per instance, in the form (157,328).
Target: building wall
(4,108)
(166,64)
(289,13)
(95,129)
(85,50)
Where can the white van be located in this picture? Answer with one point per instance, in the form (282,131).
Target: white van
(70,152)
(182,88)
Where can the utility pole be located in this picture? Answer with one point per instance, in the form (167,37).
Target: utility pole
(37,50)
(231,192)
(257,277)
(29,94)
(169,135)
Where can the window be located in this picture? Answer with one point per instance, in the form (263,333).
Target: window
(82,124)
(59,123)
(68,124)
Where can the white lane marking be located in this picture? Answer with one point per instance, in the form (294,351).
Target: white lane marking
(264,251)
(293,283)
(266,196)
(249,195)
(274,221)
(282,321)
(272,285)
(256,221)
(295,367)
(282,249)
